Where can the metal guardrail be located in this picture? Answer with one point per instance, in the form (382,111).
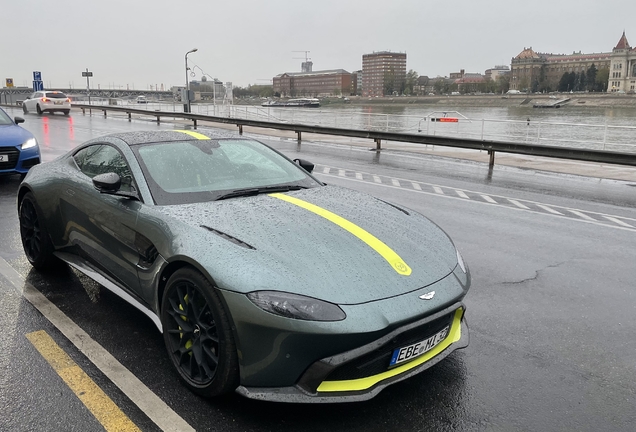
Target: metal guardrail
(491,146)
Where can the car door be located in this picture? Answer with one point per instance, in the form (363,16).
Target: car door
(28,102)
(101,225)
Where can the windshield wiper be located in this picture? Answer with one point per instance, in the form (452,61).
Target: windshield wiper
(258,191)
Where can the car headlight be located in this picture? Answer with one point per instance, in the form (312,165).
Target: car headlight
(460,261)
(296,306)
(31,142)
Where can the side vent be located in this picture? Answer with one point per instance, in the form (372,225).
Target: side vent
(229,237)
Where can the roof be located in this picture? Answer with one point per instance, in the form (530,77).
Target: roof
(304,74)
(622,43)
(528,53)
(143,137)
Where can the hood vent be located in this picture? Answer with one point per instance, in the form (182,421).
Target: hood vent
(229,237)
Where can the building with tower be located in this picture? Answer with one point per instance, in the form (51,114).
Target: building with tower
(622,78)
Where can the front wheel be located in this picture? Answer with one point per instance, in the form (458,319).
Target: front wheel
(36,242)
(196,331)
(24,109)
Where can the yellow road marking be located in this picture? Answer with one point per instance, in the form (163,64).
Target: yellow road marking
(100,405)
(193,134)
(364,383)
(377,245)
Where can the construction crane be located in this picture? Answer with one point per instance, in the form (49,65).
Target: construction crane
(307,65)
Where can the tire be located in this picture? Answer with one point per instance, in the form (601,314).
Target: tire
(66,112)
(24,109)
(197,334)
(38,109)
(36,241)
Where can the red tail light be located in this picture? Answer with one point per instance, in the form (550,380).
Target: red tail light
(68,100)
(44,99)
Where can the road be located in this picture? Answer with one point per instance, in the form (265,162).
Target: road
(551,309)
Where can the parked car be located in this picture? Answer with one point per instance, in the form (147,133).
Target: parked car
(47,101)
(263,279)
(19,150)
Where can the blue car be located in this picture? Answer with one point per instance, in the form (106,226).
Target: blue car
(19,149)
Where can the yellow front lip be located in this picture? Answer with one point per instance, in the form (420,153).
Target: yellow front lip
(365,383)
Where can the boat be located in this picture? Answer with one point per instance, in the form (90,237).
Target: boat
(299,103)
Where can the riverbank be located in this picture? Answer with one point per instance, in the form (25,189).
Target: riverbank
(575,99)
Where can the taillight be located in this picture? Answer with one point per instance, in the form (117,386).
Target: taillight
(68,100)
(44,99)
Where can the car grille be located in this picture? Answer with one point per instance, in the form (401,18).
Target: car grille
(377,361)
(30,162)
(14,155)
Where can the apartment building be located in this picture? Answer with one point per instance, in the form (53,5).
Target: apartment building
(383,73)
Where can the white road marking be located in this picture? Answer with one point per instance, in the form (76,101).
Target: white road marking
(326,170)
(341,173)
(518,204)
(416,186)
(489,199)
(395,182)
(549,209)
(618,221)
(377,179)
(462,194)
(582,215)
(156,409)
(359,176)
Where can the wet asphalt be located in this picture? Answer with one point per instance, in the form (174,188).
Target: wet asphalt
(551,308)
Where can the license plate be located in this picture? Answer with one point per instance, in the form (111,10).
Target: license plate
(4,158)
(58,102)
(412,351)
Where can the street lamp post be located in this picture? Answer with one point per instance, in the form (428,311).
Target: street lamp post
(186,106)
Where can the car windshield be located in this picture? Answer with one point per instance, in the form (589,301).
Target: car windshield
(205,170)
(55,95)
(5,119)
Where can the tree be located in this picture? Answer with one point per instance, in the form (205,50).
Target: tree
(602,79)
(591,77)
(411,80)
(503,83)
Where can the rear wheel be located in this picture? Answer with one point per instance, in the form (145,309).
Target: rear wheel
(38,109)
(196,331)
(66,112)
(36,242)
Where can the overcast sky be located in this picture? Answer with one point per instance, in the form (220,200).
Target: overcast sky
(143,42)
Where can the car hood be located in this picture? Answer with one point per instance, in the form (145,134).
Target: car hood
(13,135)
(346,259)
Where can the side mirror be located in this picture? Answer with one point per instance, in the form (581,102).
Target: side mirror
(306,165)
(18,120)
(107,183)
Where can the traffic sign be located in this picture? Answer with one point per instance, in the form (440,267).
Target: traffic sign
(87,74)
(37,76)
(9,82)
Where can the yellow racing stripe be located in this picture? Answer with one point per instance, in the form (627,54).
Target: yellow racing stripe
(373,242)
(193,134)
(97,402)
(365,383)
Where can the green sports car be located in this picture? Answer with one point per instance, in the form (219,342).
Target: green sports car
(262,279)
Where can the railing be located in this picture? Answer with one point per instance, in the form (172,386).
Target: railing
(610,144)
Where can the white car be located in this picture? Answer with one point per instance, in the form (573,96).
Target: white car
(46,100)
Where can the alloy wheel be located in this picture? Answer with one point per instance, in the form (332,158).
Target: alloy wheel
(30,230)
(192,330)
